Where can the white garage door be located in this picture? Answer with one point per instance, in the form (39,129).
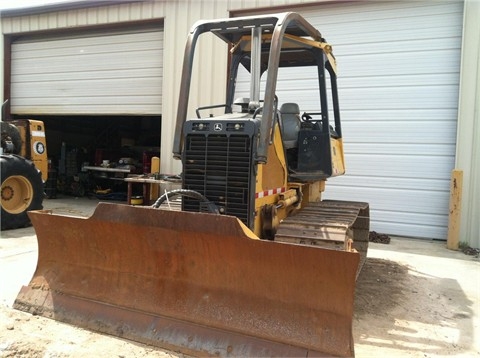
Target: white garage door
(93,73)
(398,69)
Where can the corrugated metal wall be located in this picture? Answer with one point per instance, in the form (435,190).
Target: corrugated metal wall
(178,19)
(84,17)
(468,135)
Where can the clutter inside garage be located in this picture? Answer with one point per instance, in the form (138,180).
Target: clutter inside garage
(91,156)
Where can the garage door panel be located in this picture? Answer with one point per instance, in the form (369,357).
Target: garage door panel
(422,202)
(73,53)
(399,132)
(399,166)
(87,63)
(137,106)
(425,27)
(402,45)
(332,13)
(45,50)
(302,81)
(425,230)
(373,99)
(115,72)
(379,98)
(432,115)
(388,182)
(419,203)
(350,12)
(107,42)
(433,79)
(124,87)
(365,147)
(360,65)
(132,74)
(406,217)
(414,224)
(95,101)
(401,97)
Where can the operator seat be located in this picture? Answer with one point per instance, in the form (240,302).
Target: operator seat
(290,124)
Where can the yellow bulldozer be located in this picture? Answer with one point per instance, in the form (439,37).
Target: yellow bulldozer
(24,169)
(254,263)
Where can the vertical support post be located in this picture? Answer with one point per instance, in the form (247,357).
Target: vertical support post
(454,214)
(255,70)
(154,168)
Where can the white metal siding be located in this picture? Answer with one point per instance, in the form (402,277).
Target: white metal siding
(87,16)
(98,73)
(398,66)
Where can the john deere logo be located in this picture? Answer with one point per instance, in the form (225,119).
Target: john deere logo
(217,127)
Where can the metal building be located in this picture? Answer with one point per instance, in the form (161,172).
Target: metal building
(408,78)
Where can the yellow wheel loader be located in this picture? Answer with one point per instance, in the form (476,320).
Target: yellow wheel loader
(24,169)
(254,263)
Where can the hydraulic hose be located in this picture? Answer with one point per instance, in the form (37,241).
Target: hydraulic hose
(189,193)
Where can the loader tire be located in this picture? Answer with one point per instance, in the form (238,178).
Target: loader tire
(22,191)
(9,130)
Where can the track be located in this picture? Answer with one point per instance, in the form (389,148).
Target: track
(332,224)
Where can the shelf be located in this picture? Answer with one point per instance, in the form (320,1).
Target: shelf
(108,170)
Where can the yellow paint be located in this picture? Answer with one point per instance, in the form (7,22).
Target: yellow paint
(271,175)
(290,41)
(454,215)
(154,168)
(38,147)
(338,162)
(314,193)
(274,174)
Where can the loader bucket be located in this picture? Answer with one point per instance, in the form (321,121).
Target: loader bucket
(198,283)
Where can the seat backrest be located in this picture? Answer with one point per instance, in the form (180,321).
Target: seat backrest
(290,124)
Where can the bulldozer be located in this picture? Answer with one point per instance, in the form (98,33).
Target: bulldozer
(24,170)
(254,263)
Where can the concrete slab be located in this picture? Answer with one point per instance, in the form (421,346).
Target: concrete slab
(425,301)
(19,250)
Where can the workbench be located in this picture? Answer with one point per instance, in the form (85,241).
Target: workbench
(146,182)
(107,173)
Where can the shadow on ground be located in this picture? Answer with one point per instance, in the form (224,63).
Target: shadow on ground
(399,308)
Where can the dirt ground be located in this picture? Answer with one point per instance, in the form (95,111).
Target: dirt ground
(409,304)
(413,299)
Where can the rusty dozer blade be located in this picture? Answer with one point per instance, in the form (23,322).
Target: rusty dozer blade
(198,283)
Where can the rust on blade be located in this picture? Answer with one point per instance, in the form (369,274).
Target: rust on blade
(198,283)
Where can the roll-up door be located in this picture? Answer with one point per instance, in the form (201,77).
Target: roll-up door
(398,66)
(98,73)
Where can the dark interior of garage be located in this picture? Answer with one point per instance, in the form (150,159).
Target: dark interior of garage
(91,155)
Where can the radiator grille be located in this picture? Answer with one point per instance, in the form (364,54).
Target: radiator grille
(218,166)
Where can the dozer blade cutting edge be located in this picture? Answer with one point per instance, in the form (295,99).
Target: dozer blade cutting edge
(197,283)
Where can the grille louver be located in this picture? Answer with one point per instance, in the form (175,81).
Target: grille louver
(218,166)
